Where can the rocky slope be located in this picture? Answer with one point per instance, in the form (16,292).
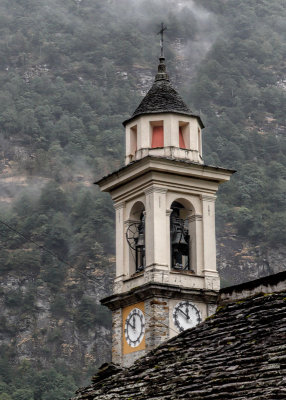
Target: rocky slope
(41,326)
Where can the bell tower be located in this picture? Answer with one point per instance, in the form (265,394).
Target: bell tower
(166,277)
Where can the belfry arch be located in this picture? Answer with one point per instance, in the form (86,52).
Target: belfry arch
(180,237)
(135,236)
(190,219)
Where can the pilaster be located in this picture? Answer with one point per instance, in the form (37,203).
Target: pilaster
(196,243)
(208,206)
(120,238)
(156,228)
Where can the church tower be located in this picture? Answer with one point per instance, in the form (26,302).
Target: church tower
(166,277)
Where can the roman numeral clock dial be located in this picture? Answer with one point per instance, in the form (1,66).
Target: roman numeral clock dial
(134,327)
(186,315)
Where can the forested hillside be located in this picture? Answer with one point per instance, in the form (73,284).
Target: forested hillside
(70,72)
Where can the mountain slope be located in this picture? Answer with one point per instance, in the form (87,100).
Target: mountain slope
(70,73)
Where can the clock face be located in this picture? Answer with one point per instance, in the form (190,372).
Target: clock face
(186,315)
(134,327)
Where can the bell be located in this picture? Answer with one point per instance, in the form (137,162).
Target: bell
(140,246)
(179,242)
(140,241)
(179,235)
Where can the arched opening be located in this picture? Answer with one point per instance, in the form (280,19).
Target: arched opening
(135,235)
(184,135)
(133,140)
(180,237)
(182,144)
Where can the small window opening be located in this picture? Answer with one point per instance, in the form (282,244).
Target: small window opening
(181,139)
(133,140)
(184,133)
(157,136)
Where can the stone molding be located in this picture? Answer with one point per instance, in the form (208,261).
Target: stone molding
(210,272)
(209,198)
(169,211)
(155,189)
(120,205)
(130,221)
(138,168)
(172,152)
(196,217)
(163,290)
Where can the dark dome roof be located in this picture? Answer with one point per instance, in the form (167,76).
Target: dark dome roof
(162,97)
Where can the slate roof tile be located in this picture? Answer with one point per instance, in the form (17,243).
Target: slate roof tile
(162,98)
(238,354)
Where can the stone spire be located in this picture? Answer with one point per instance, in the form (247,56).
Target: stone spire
(162,73)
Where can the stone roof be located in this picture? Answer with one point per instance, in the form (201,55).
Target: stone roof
(162,98)
(239,353)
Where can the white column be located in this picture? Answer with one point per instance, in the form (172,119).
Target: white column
(168,238)
(144,133)
(196,248)
(156,228)
(209,239)
(194,145)
(120,238)
(170,123)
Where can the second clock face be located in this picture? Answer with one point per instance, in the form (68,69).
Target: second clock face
(186,315)
(134,327)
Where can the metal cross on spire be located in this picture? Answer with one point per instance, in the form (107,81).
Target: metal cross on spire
(161,32)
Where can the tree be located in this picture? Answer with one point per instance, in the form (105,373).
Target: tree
(5,396)
(23,394)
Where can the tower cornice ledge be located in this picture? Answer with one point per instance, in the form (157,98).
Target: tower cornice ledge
(162,111)
(165,165)
(152,289)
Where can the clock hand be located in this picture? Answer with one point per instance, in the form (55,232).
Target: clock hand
(129,323)
(188,317)
(183,313)
(133,322)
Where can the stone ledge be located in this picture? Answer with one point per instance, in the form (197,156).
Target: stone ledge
(167,291)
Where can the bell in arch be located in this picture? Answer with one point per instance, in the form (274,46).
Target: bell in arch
(180,240)
(135,235)
(140,245)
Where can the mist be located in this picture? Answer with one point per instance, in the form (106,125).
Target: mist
(191,29)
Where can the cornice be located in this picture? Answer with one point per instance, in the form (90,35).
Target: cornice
(163,165)
(152,289)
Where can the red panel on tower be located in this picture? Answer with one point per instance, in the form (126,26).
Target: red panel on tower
(181,139)
(158,137)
